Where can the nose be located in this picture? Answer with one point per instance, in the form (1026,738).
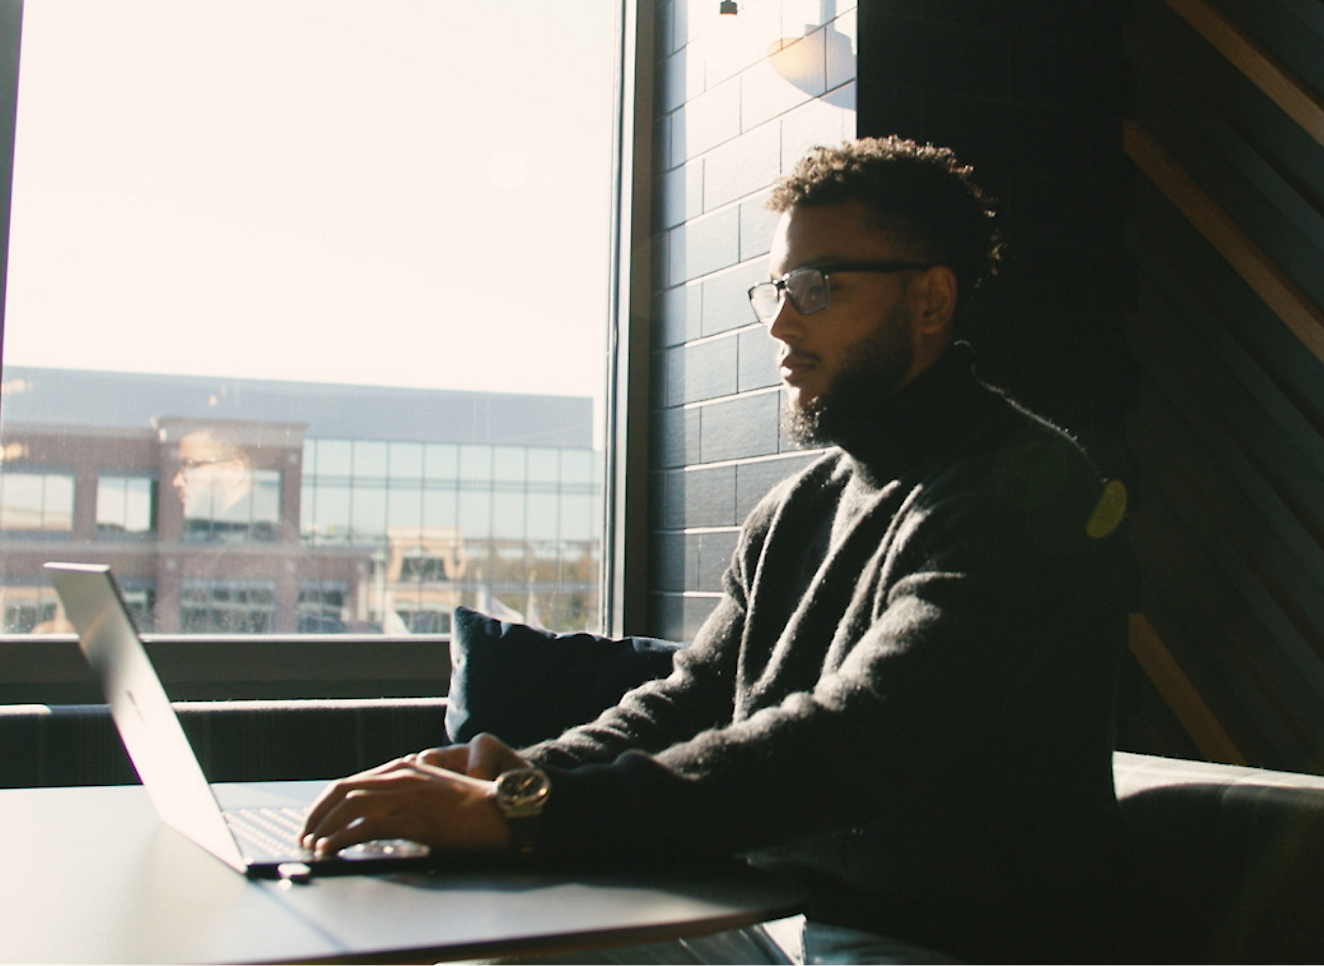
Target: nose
(787,325)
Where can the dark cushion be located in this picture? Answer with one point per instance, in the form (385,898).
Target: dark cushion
(1226,874)
(524,684)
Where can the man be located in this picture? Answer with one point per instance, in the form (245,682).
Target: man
(214,481)
(904,698)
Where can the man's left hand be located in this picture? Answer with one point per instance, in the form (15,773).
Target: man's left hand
(407,799)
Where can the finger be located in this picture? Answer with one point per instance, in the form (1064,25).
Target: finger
(360,809)
(336,792)
(489,756)
(355,820)
(399,804)
(451,757)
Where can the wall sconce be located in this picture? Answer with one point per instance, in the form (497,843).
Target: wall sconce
(728,8)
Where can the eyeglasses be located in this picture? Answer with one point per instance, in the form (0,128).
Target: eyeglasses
(807,288)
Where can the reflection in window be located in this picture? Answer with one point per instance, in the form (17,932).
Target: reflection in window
(229,503)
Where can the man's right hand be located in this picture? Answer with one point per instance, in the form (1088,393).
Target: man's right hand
(485,757)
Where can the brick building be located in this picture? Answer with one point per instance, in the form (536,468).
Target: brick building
(255,506)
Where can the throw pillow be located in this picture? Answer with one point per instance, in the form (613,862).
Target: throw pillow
(524,684)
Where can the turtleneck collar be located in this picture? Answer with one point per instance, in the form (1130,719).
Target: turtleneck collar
(919,421)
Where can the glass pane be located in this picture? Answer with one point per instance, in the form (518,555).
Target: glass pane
(510,463)
(369,514)
(290,328)
(334,457)
(544,465)
(34,502)
(21,508)
(439,508)
(508,515)
(369,460)
(577,467)
(476,514)
(476,463)
(406,461)
(404,509)
(441,462)
(544,516)
(577,521)
(125,506)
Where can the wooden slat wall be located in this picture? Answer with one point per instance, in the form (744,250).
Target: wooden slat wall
(1227,236)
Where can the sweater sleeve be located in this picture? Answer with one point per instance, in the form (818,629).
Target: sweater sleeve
(697,697)
(958,643)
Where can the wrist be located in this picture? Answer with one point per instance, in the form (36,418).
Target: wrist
(520,795)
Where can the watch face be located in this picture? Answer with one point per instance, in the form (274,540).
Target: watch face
(524,788)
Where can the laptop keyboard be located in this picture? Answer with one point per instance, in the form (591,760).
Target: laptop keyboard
(268,833)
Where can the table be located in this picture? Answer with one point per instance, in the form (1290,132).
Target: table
(94,877)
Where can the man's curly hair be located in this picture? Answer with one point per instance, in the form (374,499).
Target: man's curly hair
(919,194)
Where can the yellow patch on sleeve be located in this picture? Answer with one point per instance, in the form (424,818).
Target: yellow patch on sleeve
(1109,511)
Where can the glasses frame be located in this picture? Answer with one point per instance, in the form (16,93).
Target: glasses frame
(781,285)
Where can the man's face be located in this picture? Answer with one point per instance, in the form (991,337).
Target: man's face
(867,336)
(212,477)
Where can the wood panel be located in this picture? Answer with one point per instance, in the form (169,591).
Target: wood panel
(1227,138)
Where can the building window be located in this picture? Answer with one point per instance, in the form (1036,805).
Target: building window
(126,507)
(232,504)
(28,609)
(140,598)
(228,606)
(324,607)
(33,502)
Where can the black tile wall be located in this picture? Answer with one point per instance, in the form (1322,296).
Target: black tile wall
(1031,93)
(725,131)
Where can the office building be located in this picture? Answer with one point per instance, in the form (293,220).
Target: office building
(231,505)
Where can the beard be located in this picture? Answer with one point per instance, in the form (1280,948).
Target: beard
(846,413)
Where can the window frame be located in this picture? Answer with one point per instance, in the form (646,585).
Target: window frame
(51,670)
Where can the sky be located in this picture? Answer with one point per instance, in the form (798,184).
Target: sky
(408,192)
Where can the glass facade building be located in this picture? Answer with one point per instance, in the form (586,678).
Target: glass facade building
(308,519)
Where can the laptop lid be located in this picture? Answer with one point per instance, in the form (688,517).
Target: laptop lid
(148,725)
(159,748)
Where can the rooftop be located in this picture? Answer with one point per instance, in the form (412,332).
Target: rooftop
(92,399)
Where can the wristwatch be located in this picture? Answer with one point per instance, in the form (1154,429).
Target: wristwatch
(521,795)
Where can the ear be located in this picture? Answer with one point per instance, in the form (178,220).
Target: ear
(935,293)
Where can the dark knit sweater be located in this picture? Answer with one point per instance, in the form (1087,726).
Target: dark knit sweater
(903,699)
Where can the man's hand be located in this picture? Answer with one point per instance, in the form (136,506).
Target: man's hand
(485,757)
(408,799)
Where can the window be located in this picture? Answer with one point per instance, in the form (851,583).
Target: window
(27,609)
(228,606)
(35,502)
(231,504)
(126,507)
(333,360)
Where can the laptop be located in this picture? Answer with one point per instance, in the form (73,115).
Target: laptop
(260,842)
